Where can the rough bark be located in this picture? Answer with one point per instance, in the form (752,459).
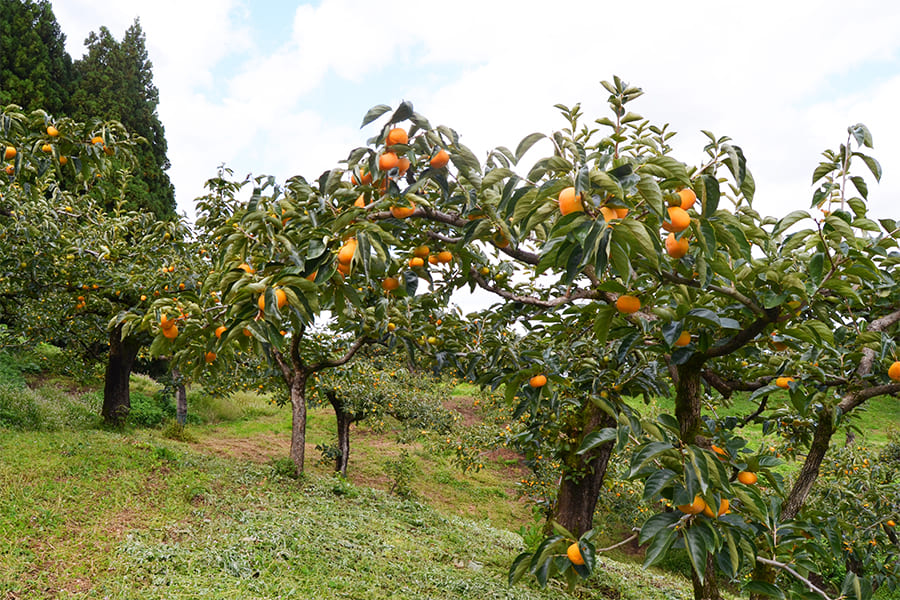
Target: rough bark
(810,469)
(687,401)
(116,394)
(709,588)
(298,420)
(583,477)
(344,420)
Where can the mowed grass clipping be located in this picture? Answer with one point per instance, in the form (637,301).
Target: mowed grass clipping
(97,514)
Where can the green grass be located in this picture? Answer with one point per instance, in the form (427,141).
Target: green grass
(104,514)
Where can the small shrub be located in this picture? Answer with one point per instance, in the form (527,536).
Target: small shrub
(146,411)
(401,471)
(174,430)
(284,467)
(330,454)
(10,373)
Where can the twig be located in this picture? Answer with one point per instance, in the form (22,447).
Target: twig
(622,543)
(809,584)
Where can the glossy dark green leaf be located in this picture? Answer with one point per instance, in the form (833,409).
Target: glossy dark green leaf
(596,438)
(602,320)
(646,453)
(649,190)
(374,113)
(519,567)
(874,165)
(653,485)
(403,112)
(696,545)
(657,523)
(708,193)
(659,546)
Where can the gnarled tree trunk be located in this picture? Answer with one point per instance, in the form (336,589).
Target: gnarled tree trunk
(116,394)
(344,420)
(582,477)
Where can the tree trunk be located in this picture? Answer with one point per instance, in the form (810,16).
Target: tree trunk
(582,477)
(344,420)
(116,394)
(180,398)
(688,393)
(687,401)
(709,589)
(810,469)
(298,420)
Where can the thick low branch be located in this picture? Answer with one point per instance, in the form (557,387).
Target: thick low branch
(780,565)
(853,399)
(354,348)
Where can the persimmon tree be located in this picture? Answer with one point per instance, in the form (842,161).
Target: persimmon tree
(70,265)
(730,301)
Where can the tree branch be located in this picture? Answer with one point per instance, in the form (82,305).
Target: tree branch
(854,399)
(730,292)
(580,294)
(744,336)
(354,348)
(879,325)
(779,565)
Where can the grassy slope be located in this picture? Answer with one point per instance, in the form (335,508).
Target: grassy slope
(93,513)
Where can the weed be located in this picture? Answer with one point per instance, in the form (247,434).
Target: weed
(174,430)
(284,467)
(401,471)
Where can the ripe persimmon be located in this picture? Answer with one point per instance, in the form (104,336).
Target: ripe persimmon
(678,221)
(220,330)
(784,382)
(439,160)
(397,135)
(747,477)
(388,161)
(417,261)
(627,305)
(209,357)
(894,371)
(683,340)
(677,248)
(402,212)
(569,202)
(694,508)
(422,251)
(52,131)
(688,197)
(574,554)
(9,153)
(345,254)
(723,509)
(444,256)
(537,381)
(389,284)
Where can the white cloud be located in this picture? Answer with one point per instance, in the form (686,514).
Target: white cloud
(775,76)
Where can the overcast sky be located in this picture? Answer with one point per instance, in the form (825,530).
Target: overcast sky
(280,86)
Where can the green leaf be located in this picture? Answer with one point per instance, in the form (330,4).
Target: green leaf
(654,484)
(696,546)
(659,546)
(646,453)
(816,266)
(649,190)
(861,134)
(602,320)
(708,193)
(873,164)
(519,567)
(561,531)
(790,219)
(656,524)
(374,113)
(526,143)
(403,112)
(596,438)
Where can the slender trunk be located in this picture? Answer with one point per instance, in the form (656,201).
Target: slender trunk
(116,394)
(687,401)
(810,469)
(688,393)
(344,419)
(180,398)
(298,420)
(709,589)
(583,477)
